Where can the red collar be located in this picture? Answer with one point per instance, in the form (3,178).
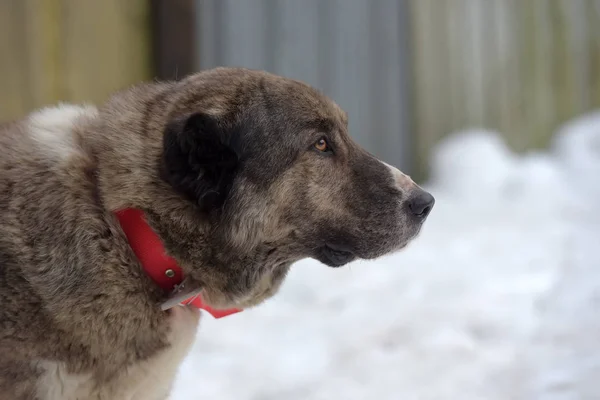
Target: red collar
(149,249)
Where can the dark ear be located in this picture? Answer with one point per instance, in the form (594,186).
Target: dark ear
(196,162)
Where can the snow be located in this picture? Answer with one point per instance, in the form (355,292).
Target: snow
(496,299)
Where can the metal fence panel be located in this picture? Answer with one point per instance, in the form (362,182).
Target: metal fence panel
(353,50)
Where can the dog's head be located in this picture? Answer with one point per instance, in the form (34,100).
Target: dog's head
(270,165)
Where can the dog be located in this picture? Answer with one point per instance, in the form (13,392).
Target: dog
(239,172)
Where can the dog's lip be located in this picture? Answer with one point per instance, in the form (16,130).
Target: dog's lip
(338,247)
(335,255)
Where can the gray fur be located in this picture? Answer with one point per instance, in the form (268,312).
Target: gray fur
(74,297)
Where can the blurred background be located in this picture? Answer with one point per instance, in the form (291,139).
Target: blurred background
(491,104)
(407,72)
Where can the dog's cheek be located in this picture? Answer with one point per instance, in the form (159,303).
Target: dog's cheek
(245,230)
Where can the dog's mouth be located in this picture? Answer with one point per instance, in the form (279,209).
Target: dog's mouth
(334,255)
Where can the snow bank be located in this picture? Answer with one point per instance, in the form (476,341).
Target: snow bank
(454,316)
(562,357)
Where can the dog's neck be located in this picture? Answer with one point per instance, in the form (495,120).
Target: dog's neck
(127,179)
(126,142)
(161,268)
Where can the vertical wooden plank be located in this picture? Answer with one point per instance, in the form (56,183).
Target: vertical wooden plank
(350,56)
(455,12)
(580,56)
(326,16)
(421,55)
(563,77)
(526,72)
(515,127)
(593,14)
(388,90)
(472,35)
(296,39)
(503,65)
(405,107)
(426,34)
(443,49)
(107,46)
(174,44)
(491,59)
(245,34)
(13,45)
(543,93)
(43,64)
(209,33)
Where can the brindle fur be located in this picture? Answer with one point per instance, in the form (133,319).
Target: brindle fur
(224,166)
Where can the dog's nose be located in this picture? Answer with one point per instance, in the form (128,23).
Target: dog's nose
(421,203)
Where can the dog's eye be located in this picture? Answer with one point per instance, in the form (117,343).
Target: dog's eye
(322,145)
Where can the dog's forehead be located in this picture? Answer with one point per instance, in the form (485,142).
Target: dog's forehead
(222,89)
(308,102)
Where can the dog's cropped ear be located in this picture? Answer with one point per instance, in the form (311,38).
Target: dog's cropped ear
(196,162)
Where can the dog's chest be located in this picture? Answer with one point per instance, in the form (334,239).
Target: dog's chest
(151,379)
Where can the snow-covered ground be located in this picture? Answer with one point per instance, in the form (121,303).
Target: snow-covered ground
(499,297)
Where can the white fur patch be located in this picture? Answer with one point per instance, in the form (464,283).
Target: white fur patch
(52,128)
(56,383)
(403,181)
(148,380)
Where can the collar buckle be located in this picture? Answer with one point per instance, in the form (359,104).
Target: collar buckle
(180,293)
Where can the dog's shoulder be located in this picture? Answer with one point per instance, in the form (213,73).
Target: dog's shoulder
(50,133)
(42,167)
(54,130)
(67,274)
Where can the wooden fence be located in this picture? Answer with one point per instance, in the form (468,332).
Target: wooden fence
(522,67)
(69,50)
